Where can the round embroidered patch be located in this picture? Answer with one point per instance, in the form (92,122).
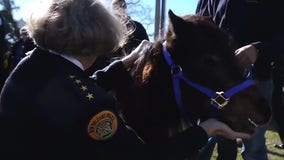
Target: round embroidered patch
(102,126)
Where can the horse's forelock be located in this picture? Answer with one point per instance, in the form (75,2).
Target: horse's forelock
(143,67)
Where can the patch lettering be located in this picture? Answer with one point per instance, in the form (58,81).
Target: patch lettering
(102,126)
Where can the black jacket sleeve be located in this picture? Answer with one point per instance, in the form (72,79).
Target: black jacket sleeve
(114,76)
(183,145)
(180,147)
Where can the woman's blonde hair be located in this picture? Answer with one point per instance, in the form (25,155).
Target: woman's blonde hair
(77,27)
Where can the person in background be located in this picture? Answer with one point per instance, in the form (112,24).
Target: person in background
(278,99)
(51,109)
(139,32)
(135,35)
(259,46)
(3,50)
(22,46)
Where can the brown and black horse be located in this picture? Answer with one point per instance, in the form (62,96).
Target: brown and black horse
(191,75)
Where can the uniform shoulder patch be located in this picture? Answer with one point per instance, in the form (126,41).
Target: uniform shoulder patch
(102,126)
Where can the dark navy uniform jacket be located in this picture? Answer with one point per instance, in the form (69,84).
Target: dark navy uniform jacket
(257,22)
(51,109)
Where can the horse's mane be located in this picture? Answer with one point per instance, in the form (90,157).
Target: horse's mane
(144,65)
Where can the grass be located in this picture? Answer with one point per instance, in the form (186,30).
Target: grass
(271,139)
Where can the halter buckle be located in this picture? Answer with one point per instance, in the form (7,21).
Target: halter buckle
(220,100)
(176,69)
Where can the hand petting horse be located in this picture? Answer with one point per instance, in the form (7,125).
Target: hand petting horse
(192,75)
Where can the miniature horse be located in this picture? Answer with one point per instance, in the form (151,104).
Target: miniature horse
(192,75)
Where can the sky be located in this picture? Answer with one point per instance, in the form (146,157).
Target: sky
(26,8)
(179,7)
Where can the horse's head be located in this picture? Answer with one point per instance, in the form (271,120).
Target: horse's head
(206,56)
(181,78)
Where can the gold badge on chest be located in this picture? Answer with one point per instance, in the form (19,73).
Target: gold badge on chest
(102,126)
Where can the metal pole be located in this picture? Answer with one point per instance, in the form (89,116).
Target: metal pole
(163,14)
(157,19)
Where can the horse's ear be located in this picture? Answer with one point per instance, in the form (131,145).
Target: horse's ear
(174,19)
(176,22)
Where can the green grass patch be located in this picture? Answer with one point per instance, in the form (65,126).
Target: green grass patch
(271,139)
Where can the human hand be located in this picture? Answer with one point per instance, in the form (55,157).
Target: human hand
(247,55)
(214,127)
(137,53)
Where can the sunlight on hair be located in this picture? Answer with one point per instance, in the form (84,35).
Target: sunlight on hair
(40,7)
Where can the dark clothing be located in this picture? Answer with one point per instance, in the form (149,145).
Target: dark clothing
(51,109)
(2,29)
(28,46)
(224,153)
(278,99)
(136,37)
(3,50)
(17,51)
(133,41)
(258,22)
(20,48)
(103,61)
(3,43)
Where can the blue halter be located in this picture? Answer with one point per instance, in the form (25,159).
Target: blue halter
(218,99)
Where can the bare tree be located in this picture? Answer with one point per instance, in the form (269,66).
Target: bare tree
(142,13)
(11,27)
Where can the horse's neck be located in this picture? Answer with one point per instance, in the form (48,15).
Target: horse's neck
(149,105)
(160,97)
